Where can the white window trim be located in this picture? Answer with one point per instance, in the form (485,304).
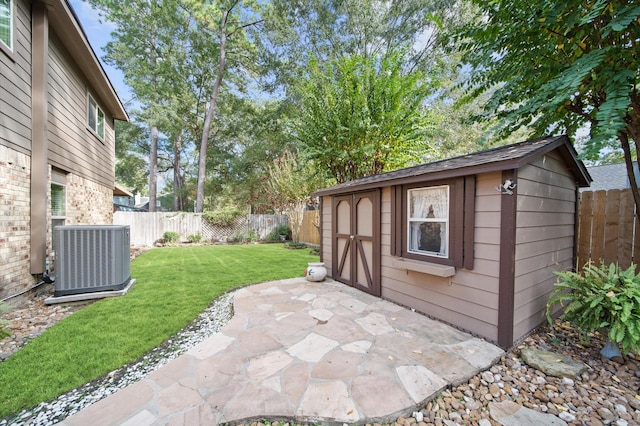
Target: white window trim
(12,30)
(64,188)
(57,217)
(98,111)
(434,220)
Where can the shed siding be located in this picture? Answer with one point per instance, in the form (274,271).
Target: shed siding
(15,86)
(325,238)
(469,299)
(72,146)
(545,226)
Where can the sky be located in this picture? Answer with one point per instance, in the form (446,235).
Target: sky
(99,34)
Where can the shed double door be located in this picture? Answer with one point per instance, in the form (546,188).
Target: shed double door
(356,240)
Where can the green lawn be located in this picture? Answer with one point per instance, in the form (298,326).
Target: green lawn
(173,286)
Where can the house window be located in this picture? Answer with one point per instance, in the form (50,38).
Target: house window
(96,118)
(428,221)
(6,23)
(58,208)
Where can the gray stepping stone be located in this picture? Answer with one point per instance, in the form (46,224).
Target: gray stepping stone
(552,364)
(509,413)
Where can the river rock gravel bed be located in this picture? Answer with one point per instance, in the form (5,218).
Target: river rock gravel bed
(206,324)
(608,393)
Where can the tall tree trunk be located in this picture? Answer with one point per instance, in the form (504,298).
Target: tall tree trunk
(177,179)
(202,160)
(153,168)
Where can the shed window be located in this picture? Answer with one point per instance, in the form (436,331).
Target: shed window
(96,118)
(6,23)
(434,221)
(428,221)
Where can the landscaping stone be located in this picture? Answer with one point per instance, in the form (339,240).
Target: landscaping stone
(606,393)
(509,413)
(553,364)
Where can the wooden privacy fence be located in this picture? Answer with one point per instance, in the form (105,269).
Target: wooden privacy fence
(148,227)
(608,228)
(309,232)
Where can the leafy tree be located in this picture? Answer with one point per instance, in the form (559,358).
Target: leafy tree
(131,168)
(257,135)
(360,116)
(560,66)
(295,31)
(227,21)
(289,186)
(149,46)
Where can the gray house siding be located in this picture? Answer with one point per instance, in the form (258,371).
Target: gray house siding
(72,146)
(44,83)
(15,85)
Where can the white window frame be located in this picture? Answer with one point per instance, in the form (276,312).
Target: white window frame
(420,220)
(11,28)
(56,217)
(95,114)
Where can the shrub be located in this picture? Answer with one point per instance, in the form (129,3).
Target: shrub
(194,238)
(4,332)
(171,237)
(603,299)
(282,230)
(244,236)
(279,233)
(223,218)
(294,246)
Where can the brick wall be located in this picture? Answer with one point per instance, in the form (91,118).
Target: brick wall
(15,173)
(87,203)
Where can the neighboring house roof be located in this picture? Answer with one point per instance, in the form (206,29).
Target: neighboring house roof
(121,191)
(67,26)
(496,159)
(611,176)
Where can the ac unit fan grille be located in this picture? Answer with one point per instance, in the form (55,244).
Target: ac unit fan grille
(91,258)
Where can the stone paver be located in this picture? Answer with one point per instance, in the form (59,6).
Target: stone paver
(309,352)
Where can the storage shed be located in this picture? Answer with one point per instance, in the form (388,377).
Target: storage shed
(472,241)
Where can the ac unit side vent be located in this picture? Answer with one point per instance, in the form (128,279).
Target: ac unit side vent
(91,258)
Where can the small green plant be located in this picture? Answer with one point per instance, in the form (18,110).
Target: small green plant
(604,299)
(244,237)
(283,230)
(294,246)
(222,218)
(279,233)
(171,237)
(194,238)
(4,332)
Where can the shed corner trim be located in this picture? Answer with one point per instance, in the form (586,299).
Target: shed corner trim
(424,267)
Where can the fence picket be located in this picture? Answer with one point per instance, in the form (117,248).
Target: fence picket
(584,227)
(607,228)
(625,214)
(612,216)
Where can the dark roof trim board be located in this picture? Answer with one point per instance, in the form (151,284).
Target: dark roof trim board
(496,159)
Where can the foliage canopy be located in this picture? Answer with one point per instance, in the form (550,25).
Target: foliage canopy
(362,115)
(559,66)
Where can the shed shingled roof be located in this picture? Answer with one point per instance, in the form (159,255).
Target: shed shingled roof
(496,159)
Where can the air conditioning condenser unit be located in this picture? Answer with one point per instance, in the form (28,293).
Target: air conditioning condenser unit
(91,258)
